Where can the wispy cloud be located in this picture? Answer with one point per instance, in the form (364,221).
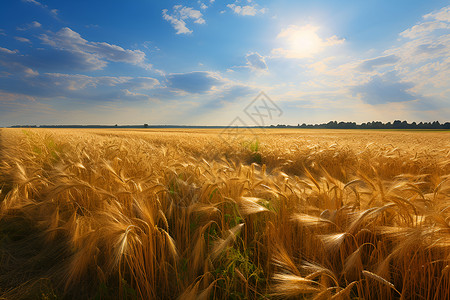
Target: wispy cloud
(22,39)
(441,15)
(369,64)
(195,82)
(11,59)
(246,10)
(80,88)
(53,12)
(96,54)
(7,51)
(180,15)
(35,3)
(68,51)
(425,54)
(29,26)
(14,105)
(423,29)
(438,20)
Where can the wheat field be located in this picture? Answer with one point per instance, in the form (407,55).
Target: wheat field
(208,214)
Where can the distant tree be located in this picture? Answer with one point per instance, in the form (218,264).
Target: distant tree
(145,125)
(332,124)
(397,124)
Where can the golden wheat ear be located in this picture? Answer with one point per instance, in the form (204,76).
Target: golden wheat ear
(289,286)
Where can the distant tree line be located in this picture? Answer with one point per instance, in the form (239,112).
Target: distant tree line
(397,124)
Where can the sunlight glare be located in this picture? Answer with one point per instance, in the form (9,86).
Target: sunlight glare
(300,41)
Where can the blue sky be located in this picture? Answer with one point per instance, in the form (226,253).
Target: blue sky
(203,62)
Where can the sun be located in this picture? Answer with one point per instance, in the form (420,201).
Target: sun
(300,41)
(304,42)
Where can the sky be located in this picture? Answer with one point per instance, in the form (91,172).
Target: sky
(213,62)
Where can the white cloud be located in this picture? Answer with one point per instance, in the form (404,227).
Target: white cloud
(9,59)
(256,61)
(78,87)
(190,13)
(246,10)
(420,50)
(96,52)
(35,2)
(2,32)
(22,39)
(436,20)
(179,25)
(7,51)
(53,12)
(423,29)
(303,42)
(179,17)
(442,15)
(432,79)
(31,25)
(203,5)
(426,43)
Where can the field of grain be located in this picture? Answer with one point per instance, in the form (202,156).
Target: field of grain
(208,214)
